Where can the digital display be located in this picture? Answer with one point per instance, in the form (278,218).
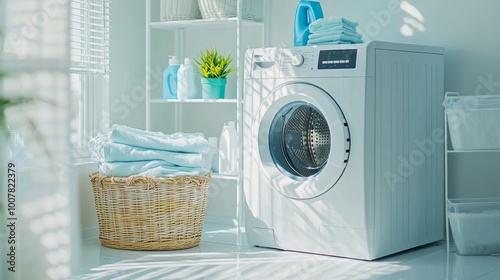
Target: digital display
(337,59)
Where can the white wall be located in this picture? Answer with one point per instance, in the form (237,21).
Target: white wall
(127,63)
(468,30)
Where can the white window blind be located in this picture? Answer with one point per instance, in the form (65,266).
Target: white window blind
(90,36)
(89,58)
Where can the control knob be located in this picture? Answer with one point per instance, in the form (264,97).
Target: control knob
(297,60)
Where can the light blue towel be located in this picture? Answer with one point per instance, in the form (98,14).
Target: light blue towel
(338,42)
(177,142)
(112,152)
(335,27)
(328,33)
(324,23)
(333,38)
(155,168)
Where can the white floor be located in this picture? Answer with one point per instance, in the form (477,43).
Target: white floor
(212,260)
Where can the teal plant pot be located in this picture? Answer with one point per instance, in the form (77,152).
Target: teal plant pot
(212,88)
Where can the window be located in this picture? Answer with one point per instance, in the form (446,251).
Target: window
(89,46)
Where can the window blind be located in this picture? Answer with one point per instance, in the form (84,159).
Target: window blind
(89,36)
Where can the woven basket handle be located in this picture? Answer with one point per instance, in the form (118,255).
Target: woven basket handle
(131,180)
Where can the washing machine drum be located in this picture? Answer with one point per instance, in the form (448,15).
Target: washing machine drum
(299,139)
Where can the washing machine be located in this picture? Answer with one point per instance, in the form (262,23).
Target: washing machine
(344,148)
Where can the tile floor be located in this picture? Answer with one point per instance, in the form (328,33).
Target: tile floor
(212,260)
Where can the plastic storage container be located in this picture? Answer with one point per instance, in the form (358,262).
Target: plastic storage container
(170,78)
(473,121)
(475,225)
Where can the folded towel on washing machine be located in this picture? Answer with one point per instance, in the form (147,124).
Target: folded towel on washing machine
(324,24)
(338,42)
(322,34)
(333,30)
(332,38)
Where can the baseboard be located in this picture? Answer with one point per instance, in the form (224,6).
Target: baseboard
(228,221)
(89,232)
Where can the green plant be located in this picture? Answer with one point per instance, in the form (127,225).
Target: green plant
(212,64)
(6,102)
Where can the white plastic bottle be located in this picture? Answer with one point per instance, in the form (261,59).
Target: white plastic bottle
(187,81)
(228,150)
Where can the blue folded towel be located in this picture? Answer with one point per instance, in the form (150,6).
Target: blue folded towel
(155,168)
(333,38)
(329,33)
(338,42)
(126,151)
(325,23)
(336,27)
(177,142)
(112,152)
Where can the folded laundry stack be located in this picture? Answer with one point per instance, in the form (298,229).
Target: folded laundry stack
(126,151)
(334,30)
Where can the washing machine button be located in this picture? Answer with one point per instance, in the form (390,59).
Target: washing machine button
(297,60)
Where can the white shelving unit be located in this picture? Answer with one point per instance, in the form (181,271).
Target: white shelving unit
(179,29)
(449,151)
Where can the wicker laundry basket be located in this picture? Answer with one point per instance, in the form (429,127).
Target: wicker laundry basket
(142,213)
(225,8)
(179,10)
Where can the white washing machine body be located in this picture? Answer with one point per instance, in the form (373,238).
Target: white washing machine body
(343,148)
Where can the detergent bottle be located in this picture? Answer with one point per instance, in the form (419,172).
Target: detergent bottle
(306,13)
(170,78)
(228,150)
(187,81)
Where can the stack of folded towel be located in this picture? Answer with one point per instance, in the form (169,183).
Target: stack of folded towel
(334,30)
(126,151)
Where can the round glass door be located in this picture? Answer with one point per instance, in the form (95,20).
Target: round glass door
(299,140)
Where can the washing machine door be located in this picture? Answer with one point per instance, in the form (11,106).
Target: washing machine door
(303,140)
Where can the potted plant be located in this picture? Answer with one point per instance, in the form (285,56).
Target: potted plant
(214,68)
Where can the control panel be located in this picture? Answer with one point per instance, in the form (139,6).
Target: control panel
(305,59)
(310,61)
(298,59)
(337,59)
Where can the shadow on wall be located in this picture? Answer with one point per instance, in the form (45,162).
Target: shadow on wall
(412,20)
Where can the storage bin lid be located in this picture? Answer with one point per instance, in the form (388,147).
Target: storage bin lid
(453,101)
(474,205)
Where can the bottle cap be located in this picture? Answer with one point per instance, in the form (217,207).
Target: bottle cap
(173,60)
(188,61)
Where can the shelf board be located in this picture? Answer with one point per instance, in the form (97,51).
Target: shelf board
(212,101)
(472,151)
(201,23)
